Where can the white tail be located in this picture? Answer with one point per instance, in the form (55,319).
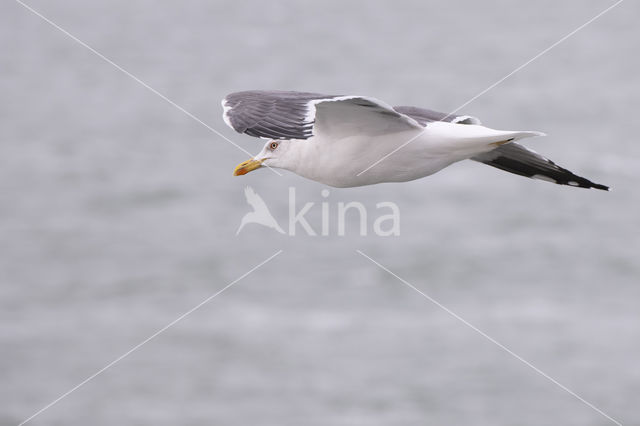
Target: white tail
(472,137)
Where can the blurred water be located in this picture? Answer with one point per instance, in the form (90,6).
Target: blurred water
(118,213)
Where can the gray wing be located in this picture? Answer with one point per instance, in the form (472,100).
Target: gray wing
(515,158)
(295,115)
(424,116)
(271,114)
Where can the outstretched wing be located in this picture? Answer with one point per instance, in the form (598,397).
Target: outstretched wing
(515,158)
(425,116)
(301,115)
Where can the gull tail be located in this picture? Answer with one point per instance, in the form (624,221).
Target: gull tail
(514,136)
(517,159)
(473,139)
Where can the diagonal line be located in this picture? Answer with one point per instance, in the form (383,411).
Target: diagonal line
(138,80)
(532,59)
(492,340)
(496,83)
(154,335)
(393,152)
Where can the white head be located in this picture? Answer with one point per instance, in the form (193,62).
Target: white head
(276,153)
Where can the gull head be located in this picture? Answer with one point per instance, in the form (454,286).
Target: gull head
(276,153)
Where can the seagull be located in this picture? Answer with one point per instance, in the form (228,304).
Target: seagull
(260,213)
(349,141)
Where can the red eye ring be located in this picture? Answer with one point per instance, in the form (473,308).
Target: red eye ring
(273,145)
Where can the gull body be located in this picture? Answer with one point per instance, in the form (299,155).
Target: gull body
(416,154)
(349,141)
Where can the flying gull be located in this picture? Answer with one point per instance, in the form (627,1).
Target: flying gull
(344,141)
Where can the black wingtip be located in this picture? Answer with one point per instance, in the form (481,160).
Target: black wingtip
(598,186)
(580,182)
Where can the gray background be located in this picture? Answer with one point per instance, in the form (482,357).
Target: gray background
(118,213)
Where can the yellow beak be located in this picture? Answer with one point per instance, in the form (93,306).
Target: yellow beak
(247,166)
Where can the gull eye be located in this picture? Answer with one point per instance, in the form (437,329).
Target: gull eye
(273,145)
